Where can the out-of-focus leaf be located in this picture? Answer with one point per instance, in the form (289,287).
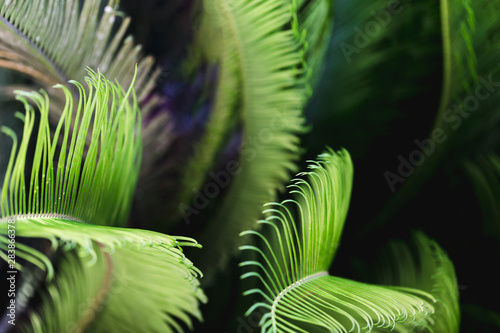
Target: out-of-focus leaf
(484,174)
(55,41)
(424,266)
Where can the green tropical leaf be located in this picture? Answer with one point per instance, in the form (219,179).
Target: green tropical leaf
(53,41)
(429,270)
(62,182)
(315,26)
(220,52)
(299,240)
(264,80)
(77,192)
(370,40)
(311,24)
(103,273)
(484,175)
(460,63)
(467,117)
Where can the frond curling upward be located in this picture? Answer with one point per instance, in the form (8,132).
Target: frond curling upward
(299,240)
(69,178)
(95,274)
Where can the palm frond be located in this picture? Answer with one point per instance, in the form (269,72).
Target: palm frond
(429,270)
(53,41)
(262,61)
(458,27)
(469,100)
(74,202)
(311,23)
(104,273)
(467,117)
(298,293)
(315,27)
(219,52)
(484,175)
(62,182)
(368,39)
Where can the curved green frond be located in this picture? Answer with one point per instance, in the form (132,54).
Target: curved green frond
(299,240)
(468,117)
(263,56)
(369,38)
(64,183)
(311,25)
(484,175)
(429,270)
(315,24)
(469,97)
(53,41)
(220,52)
(104,273)
(76,193)
(458,23)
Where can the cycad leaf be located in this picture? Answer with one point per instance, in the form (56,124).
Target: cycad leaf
(468,116)
(104,273)
(370,36)
(460,64)
(62,182)
(430,270)
(298,292)
(220,52)
(468,65)
(469,98)
(311,23)
(73,202)
(53,41)
(315,23)
(264,54)
(484,175)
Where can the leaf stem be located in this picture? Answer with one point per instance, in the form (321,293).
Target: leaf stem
(290,287)
(445,30)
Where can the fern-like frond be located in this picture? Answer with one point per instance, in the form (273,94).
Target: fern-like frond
(311,25)
(369,38)
(219,52)
(74,201)
(61,181)
(468,116)
(263,79)
(458,26)
(315,26)
(484,175)
(299,240)
(53,41)
(103,273)
(469,99)
(429,270)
